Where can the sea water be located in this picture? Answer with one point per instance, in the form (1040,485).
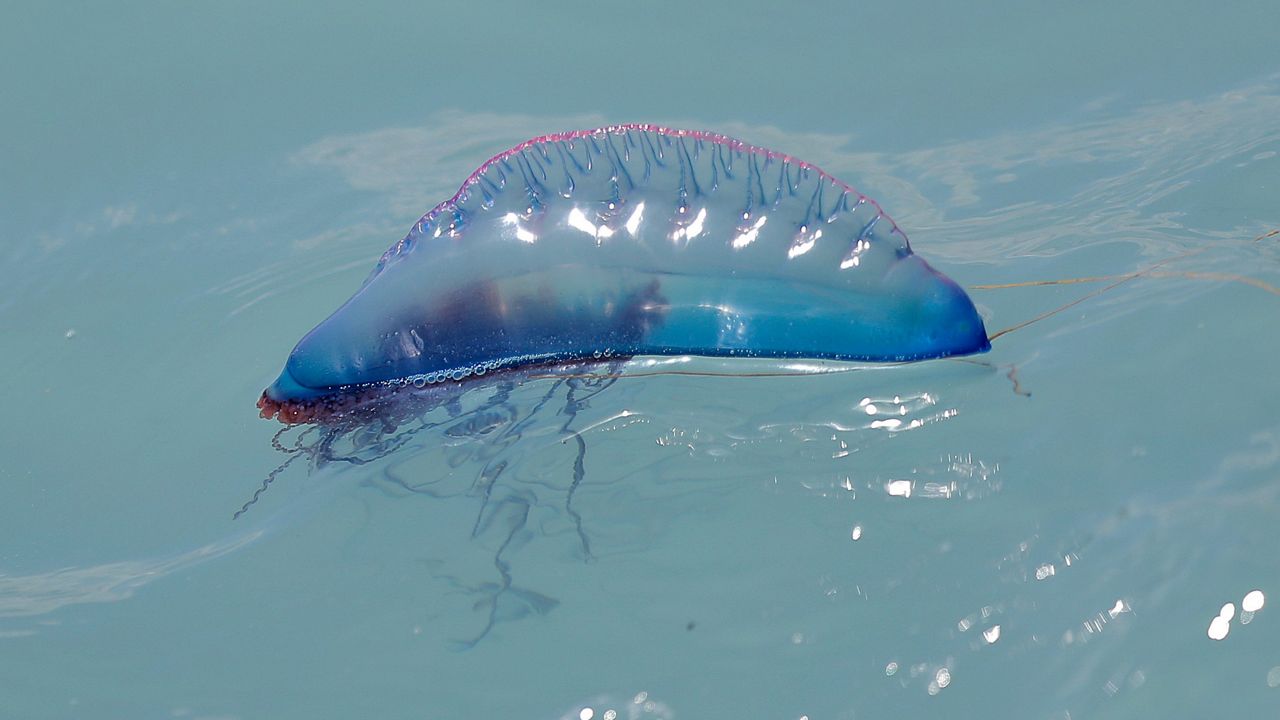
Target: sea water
(1079,524)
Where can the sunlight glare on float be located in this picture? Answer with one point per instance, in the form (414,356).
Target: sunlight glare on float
(695,227)
(991,634)
(853,260)
(693,230)
(749,236)
(803,246)
(633,222)
(578,221)
(522,234)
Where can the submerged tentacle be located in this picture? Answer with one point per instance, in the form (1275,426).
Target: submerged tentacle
(572,405)
(266,483)
(518,523)
(509,435)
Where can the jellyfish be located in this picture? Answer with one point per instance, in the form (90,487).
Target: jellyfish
(626,241)
(560,261)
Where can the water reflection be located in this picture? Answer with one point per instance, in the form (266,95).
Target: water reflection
(557,455)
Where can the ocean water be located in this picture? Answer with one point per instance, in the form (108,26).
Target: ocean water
(1051,531)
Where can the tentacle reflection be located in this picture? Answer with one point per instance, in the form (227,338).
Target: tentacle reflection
(472,427)
(507,459)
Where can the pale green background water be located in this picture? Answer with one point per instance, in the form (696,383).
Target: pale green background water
(185,190)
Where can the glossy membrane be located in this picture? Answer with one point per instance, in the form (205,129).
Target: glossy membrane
(633,240)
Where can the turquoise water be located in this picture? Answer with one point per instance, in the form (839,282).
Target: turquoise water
(184,191)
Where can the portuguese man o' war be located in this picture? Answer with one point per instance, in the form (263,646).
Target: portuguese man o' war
(625,241)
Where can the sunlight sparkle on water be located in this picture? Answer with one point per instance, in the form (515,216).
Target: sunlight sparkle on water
(1221,625)
(941,679)
(1219,628)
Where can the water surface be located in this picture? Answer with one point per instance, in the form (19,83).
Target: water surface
(187,190)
